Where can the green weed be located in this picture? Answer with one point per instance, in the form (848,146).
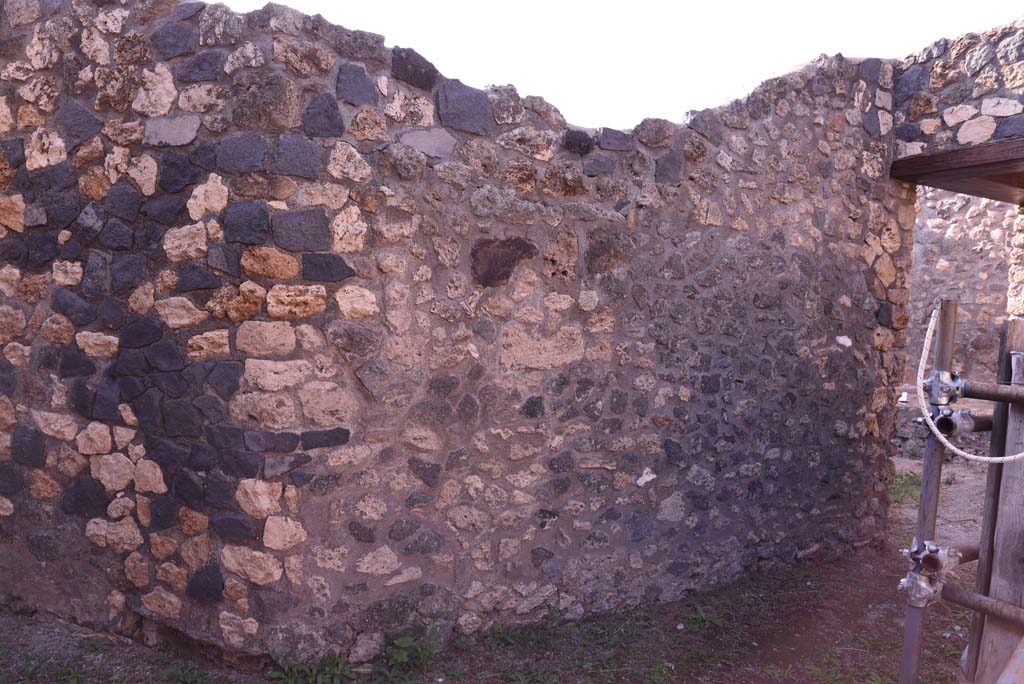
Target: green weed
(332,669)
(701,620)
(905,487)
(189,673)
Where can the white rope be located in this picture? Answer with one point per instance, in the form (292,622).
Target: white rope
(927,414)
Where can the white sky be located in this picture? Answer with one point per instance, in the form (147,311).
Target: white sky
(613,64)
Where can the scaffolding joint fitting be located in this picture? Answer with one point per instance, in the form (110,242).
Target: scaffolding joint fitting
(922,590)
(931,562)
(943,388)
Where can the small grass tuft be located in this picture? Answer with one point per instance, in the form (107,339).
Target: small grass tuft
(189,673)
(905,487)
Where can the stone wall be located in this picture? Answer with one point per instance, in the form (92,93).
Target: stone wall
(961,247)
(954,94)
(305,343)
(962,92)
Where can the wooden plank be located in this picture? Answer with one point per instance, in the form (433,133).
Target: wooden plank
(995,170)
(1000,639)
(1006,156)
(1011,338)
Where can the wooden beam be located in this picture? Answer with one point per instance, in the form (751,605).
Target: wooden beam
(1000,639)
(995,170)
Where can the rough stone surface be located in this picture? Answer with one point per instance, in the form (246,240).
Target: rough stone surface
(295,330)
(255,566)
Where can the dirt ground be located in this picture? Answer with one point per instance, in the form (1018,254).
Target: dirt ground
(829,623)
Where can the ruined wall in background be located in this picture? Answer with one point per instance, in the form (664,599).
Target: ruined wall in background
(961,249)
(304,343)
(962,92)
(954,94)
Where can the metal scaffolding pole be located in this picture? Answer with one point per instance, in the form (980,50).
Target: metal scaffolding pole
(931,478)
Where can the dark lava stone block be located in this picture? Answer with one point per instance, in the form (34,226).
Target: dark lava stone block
(1010,127)
(167,209)
(202,457)
(192,277)
(62,207)
(325,267)
(206,585)
(242,153)
(225,378)
(297,155)
(77,310)
(173,40)
(170,456)
(140,333)
(533,407)
(85,497)
(234,527)
(598,165)
(494,260)
(130,362)
(188,487)
(464,108)
(13,150)
(76,123)
(579,142)
(362,533)
(56,177)
(226,436)
(427,472)
(276,465)
(258,440)
(668,168)
(163,512)
(204,155)
(247,222)
(181,419)
(146,407)
(225,258)
(220,491)
(165,356)
(116,235)
(176,172)
(315,439)
(11,479)
(195,374)
(409,66)
(28,446)
(171,383)
(8,381)
(74,363)
(425,543)
(562,463)
(908,132)
(123,200)
(81,397)
(206,66)
(127,272)
(611,139)
(106,401)
(402,529)
(304,230)
(354,86)
(322,118)
(911,81)
(241,463)
(211,407)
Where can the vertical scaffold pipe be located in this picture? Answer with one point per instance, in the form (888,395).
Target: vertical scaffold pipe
(931,478)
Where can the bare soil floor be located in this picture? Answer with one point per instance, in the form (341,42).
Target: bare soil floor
(828,623)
